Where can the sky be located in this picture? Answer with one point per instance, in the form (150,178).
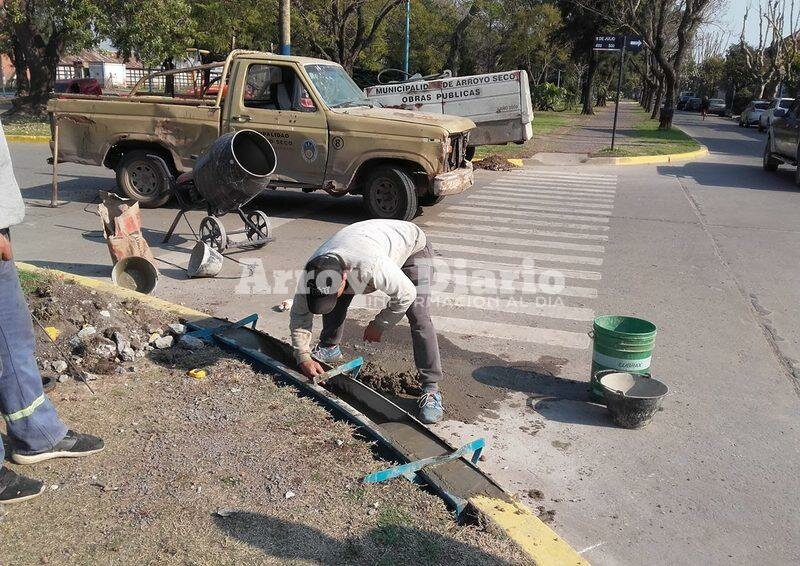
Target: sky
(731,22)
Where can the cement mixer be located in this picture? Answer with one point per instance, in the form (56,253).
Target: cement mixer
(234,171)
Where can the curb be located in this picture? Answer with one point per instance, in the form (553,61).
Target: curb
(519,523)
(120,292)
(21,138)
(649,159)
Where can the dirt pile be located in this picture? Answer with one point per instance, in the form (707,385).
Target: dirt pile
(493,163)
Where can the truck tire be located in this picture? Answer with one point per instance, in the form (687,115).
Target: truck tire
(142,178)
(769,162)
(429,199)
(390,193)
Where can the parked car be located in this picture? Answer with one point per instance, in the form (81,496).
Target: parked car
(751,115)
(783,140)
(683,99)
(716,106)
(777,106)
(78,86)
(693,104)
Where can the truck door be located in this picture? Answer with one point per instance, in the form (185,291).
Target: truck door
(273,98)
(786,129)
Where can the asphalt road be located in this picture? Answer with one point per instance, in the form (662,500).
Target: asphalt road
(708,250)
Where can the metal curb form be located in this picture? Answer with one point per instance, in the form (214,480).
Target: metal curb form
(23,138)
(538,541)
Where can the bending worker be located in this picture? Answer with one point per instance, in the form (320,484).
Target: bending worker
(392,256)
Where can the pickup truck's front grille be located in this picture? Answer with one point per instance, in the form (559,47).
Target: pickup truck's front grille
(458,151)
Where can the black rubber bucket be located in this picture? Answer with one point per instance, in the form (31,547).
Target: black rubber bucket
(235,169)
(631,398)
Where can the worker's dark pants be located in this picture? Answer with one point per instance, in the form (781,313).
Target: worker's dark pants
(31,419)
(419,269)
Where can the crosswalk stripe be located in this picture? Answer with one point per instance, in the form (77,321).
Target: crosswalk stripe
(565,188)
(512,332)
(509,191)
(534,204)
(527,222)
(493,197)
(560,175)
(453,300)
(523,242)
(460,263)
(442,301)
(491,287)
(519,254)
(496,211)
(508,230)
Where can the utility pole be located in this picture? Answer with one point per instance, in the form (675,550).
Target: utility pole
(408,36)
(286,28)
(619,88)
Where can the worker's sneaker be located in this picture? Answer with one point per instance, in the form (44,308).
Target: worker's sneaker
(327,354)
(15,488)
(73,445)
(430,407)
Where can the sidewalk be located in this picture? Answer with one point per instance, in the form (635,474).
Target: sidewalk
(594,135)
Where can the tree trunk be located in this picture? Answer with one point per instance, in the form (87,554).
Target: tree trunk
(20,68)
(669,101)
(586,88)
(41,60)
(457,38)
(657,99)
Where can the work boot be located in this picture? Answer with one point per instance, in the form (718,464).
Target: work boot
(327,354)
(430,407)
(15,488)
(73,445)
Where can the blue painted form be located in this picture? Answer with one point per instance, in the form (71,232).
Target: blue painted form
(410,470)
(207,333)
(353,367)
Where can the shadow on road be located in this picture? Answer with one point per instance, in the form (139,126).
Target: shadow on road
(726,175)
(555,398)
(291,542)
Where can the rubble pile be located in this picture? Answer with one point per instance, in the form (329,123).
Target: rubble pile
(95,337)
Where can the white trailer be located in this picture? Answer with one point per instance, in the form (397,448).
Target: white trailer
(498,103)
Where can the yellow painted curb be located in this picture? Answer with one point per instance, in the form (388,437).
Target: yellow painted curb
(27,139)
(536,539)
(666,158)
(120,292)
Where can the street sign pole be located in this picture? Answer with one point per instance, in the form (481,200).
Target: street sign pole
(619,88)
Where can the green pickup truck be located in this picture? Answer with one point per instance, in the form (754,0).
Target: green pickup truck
(326,134)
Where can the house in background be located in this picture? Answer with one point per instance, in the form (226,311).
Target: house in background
(104,66)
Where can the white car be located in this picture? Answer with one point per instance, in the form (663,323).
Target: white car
(779,105)
(752,114)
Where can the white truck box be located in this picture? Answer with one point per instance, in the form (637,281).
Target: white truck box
(498,103)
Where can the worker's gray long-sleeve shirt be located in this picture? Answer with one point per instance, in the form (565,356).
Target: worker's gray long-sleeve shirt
(12,209)
(373,253)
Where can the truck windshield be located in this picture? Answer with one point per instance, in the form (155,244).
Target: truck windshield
(336,87)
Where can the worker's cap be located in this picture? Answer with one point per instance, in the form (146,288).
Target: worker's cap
(323,279)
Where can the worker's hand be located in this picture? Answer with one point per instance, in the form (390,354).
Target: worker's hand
(5,248)
(372,334)
(311,368)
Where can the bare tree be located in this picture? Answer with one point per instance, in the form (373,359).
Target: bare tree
(340,30)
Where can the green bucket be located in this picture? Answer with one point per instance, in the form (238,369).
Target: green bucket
(621,343)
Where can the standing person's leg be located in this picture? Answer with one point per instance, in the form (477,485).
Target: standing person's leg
(419,269)
(332,329)
(30,417)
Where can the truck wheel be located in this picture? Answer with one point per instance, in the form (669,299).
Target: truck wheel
(390,193)
(143,178)
(429,199)
(770,163)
